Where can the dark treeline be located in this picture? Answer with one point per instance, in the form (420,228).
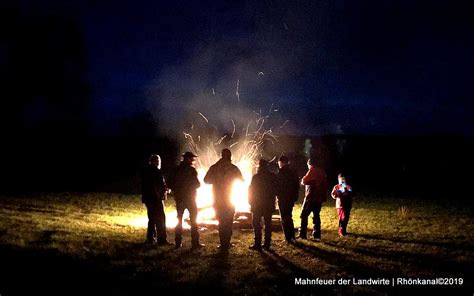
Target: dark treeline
(80,164)
(423,166)
(428,166)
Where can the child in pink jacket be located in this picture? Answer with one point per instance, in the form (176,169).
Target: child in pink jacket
(343,194)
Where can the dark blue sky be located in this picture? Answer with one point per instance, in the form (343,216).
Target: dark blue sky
(354,67)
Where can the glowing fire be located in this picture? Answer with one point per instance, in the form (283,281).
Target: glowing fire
(246,144)
(205,197)
(239,196)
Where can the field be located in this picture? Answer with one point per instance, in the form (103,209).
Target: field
(91,243)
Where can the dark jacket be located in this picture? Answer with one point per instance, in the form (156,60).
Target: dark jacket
(316,185)
(288,185)
(184,182)
(153,185)
(263,190)
(222,176)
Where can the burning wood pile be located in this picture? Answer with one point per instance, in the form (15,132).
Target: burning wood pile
(246,144)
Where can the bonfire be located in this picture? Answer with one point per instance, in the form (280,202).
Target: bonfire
(246,144)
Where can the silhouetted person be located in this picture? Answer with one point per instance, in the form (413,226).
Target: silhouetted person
(153,196)
(222,176)
(262,195)
(288,189)
(315,181)
(343,195)
(184,183)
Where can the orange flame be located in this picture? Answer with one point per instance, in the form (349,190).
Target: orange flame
(205,197)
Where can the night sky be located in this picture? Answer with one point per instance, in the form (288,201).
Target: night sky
(350,67)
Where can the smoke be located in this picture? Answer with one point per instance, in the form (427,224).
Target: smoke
(233,74)
(224,86)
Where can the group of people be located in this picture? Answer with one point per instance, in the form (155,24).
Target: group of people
(265,189)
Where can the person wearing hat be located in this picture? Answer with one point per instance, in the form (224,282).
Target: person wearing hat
(153,196)
(222,176)
(288,189)
(184,183)
(262,195)
(315,182)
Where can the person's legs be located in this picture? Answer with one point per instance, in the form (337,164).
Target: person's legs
(193,212)
(347,214)
(225,217)
(267,217)
(316,209)
(340,213)
(304,219)
(290,225)
(257,227)
(161,222)
(178,232)
(286,210)
(228,222)
(151,230)
(220,219)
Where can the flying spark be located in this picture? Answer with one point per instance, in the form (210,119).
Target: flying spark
(204,117)
(220,140)
(283,125)
(233,131)
(237,90)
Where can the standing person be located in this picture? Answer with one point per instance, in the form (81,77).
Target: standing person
(288,189)
(153,196)
(262,193)
(343,195)
(316,185)
(184,183)
(222,176)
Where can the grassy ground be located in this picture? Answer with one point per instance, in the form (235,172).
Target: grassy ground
(84,243)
